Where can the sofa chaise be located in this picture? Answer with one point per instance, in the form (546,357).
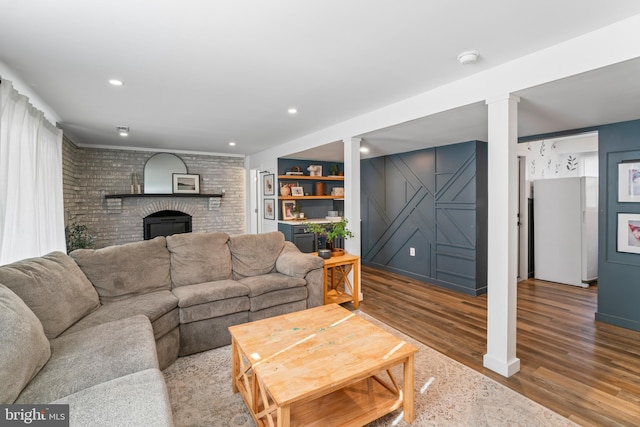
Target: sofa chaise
(95,329)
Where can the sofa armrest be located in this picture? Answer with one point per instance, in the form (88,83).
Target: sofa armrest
(292,262)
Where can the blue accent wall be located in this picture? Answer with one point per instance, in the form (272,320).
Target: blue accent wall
(433,200)
(618,272)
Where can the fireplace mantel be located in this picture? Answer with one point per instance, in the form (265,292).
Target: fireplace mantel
(114,201)
(128,195)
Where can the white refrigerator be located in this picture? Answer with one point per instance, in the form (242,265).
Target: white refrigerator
(565,212)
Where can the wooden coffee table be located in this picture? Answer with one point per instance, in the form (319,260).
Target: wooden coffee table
(322,367)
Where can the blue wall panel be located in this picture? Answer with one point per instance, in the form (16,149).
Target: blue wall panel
(428,200)
(618,272)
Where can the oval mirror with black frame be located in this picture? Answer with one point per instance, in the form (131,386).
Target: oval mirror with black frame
(158,173)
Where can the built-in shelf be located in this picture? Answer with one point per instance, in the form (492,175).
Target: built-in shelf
(312,178)
(127,195)
(310,197)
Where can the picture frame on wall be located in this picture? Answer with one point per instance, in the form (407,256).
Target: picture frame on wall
(288,209)
(268,185)
(629,233)
(269,209)
(629,181)
(184,183)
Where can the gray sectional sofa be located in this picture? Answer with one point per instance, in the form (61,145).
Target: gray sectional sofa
(94,329)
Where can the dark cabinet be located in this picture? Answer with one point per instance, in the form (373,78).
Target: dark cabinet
(296,234)
(305,242)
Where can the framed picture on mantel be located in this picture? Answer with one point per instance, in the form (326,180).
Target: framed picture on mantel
(186,183)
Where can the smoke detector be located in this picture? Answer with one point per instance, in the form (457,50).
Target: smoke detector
(468,57)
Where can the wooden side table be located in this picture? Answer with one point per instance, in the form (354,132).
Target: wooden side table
(336,287)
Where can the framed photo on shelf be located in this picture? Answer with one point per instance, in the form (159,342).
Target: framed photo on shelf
(288,209)
(186,183)
(629,181)
(297,191)
(315,170)
(629,233)
(269,209)
(268,185)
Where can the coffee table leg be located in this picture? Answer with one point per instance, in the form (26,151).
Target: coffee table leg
(284,416)
(235,370)
(408,390)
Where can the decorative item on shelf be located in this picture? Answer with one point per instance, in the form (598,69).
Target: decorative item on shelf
(297,191)
(295,170)
(186,183)
(136,187)
(285,190)
(319,189)
(334,170)
(288,207)
(337,191)
(332,232)
(297,210)
(315,170)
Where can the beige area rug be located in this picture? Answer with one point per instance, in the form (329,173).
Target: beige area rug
(447,393)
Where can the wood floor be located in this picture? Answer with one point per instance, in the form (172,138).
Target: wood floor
(585,370)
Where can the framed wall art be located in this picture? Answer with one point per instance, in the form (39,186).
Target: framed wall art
(629,181)
(269,209)
(288,210)
(629,233)
(268,185)
(186,183)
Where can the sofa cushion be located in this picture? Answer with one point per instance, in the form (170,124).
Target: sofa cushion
(24,350)
(213,309)
(255,254)
(138,399)
(92,356)
(122,271)
(199,257)
(259,285)
(211,299)
(209,291)
(54,288)
(282,296)
(155,306)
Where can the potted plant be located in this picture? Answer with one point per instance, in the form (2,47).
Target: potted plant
(77,235)
(332,232)
(334,169)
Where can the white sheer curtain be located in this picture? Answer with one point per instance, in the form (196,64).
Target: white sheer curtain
(31,200)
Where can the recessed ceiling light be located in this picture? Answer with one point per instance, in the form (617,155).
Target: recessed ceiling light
(292,110)
(123,131)
(468,57)
(232,143)
(116,82)
(364,150)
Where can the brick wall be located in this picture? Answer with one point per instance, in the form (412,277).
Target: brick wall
(89,174)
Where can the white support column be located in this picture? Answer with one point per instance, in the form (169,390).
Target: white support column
(351,147)
(502,236)
(352,192)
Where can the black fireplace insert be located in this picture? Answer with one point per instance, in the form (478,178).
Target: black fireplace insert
(166,223)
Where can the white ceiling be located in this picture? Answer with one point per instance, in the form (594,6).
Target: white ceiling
(201,73)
